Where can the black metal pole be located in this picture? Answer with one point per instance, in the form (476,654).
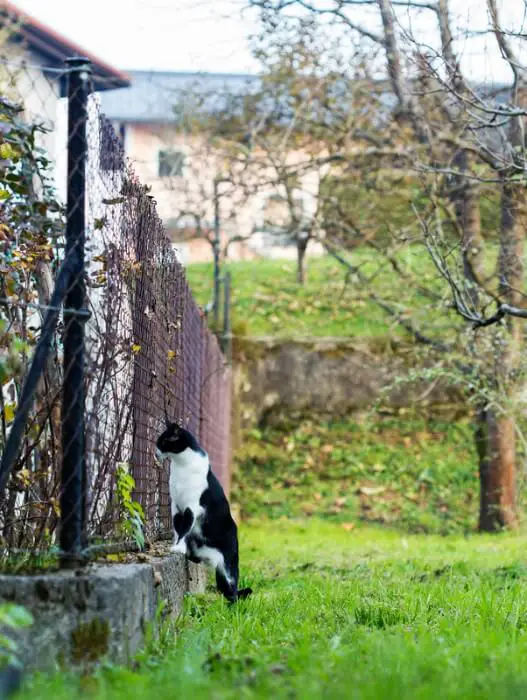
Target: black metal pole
(16,435)
(73,478)
(227,333)
(216,253)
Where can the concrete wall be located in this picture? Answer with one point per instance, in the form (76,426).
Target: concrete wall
(328,376)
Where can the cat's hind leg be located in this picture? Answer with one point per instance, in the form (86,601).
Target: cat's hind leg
(226,569)
(226,585)
(227,582)
(226,579)
(193,545)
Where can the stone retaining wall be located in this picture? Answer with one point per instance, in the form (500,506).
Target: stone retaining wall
(104,610)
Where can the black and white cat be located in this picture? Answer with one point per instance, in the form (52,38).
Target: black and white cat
(204,528)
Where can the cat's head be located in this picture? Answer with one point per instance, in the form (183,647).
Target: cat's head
(174,440)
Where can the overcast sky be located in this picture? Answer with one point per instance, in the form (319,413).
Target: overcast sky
(155,34)
(213,35)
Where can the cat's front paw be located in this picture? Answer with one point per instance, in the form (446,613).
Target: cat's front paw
(179,547)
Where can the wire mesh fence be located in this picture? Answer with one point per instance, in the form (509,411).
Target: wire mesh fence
(100,337)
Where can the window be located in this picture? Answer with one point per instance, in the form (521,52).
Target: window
(171,163)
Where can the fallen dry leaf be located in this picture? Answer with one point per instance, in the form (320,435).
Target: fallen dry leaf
(371,490)
(277,669)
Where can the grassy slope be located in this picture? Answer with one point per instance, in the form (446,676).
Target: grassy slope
(369,615)
(410,473)
(268,301)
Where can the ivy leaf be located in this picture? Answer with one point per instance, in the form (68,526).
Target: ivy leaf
(9,412)
(7,152)
(15,616)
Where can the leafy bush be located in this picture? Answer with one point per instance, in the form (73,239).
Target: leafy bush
(31,239)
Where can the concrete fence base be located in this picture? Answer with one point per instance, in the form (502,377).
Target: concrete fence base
(102,611)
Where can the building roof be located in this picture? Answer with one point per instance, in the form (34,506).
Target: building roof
(153,95)
(53,49)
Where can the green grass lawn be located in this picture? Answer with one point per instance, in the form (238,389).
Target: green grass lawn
(345,607)
(266,300)
(412,473)
(368,614)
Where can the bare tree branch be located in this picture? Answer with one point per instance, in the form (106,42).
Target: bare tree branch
(503,42)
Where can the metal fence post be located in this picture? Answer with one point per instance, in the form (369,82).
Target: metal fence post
(216,254)
(73,472)
(227,332)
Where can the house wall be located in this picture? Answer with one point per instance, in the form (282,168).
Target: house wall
(23,81)
(191,195)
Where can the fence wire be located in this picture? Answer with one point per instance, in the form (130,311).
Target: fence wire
(147,350)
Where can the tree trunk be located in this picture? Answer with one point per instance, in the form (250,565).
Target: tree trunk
(495,435)
(510,262)
(495,432)
(498,470)
(470,217)
(496,441)
(465,198)
(301,247)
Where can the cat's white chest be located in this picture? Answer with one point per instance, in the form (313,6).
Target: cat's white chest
(188,481)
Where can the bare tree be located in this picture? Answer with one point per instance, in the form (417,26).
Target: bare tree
(458,141)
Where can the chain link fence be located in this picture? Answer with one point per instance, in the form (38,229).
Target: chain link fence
(100,337)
